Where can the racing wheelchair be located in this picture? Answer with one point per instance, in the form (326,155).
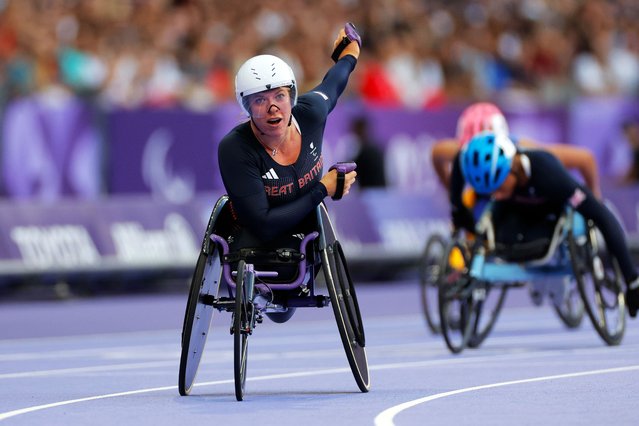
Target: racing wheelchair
(571,255)
(254,290)
(570,310)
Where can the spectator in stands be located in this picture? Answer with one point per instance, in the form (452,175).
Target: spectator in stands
(464,51)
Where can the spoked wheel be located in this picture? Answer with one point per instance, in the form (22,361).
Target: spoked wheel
(488,300)
(347,313)
(457,309)
(600,284)
(571,307)
(205,286)
(243,323)
(429,267)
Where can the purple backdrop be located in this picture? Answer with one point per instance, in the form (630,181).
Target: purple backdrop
(160,169)
(54,148)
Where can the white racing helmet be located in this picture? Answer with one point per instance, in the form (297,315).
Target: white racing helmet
(260,73)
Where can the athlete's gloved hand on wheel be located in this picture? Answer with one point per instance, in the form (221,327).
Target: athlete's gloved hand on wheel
(344,44)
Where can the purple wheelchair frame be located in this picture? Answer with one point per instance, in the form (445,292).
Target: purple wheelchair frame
(228,274)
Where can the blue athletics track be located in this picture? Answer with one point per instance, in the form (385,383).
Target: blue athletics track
(114,361)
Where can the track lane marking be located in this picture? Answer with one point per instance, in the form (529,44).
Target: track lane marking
(385,418)
(223,356)
(14,413)
(389,366)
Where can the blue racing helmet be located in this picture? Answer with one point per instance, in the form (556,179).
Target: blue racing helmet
(486,161)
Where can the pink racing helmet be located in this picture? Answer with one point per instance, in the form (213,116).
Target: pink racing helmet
(479,117)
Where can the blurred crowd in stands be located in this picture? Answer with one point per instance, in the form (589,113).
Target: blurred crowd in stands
(417,53)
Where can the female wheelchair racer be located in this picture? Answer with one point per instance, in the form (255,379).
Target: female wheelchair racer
(268,239)
(476,118)
(527,186)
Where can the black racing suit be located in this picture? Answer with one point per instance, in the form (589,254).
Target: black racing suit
(549,189)
(271,201)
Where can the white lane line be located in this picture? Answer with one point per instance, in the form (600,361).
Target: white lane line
(84,370)
(223,356)
(98,352)
(390,366)
(14,413)
(26,410)
(385,418)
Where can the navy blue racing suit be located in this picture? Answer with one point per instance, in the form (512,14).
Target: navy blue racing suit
(550,188)
(271,200)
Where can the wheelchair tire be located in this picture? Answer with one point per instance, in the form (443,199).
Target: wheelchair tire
(429,267)
(198,316)
(488,301)
(571,310)
(457,309)
(347,314)
(600,284)
(242,327)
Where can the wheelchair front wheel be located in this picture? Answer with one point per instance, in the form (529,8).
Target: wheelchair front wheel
(488,301)
(571,308)
(599,281)
(347,314)
(457,309)
(243,322)
(429,268)
(205,286)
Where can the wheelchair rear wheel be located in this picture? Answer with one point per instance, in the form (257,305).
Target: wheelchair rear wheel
(599,281)
(429,267)
(347,313)
(457,308)
(205,286)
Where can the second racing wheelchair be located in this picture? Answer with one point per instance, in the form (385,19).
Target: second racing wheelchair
(569,263)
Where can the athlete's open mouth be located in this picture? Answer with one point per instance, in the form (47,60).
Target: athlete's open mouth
(274,121)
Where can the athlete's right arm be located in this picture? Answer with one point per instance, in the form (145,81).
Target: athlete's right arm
(442,156)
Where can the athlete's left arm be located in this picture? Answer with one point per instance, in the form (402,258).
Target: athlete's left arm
(555,183)
(573,157)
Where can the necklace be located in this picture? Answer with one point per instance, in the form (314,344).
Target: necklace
(275,150)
